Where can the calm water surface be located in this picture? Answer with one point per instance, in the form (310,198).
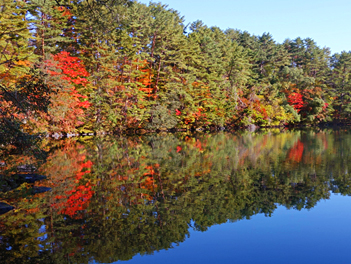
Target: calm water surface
(264,197)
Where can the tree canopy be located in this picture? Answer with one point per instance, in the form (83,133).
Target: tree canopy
(121,65)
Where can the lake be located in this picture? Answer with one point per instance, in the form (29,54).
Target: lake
(272,196)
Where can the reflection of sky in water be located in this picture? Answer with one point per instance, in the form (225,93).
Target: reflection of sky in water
(319,235)
(144,200)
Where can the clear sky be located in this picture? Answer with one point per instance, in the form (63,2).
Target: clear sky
(325,21)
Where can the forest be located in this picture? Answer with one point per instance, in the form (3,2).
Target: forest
(104,66)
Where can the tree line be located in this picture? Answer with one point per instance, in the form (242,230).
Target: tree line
(85,66)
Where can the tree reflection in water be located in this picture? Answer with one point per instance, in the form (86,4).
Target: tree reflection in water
(113,198)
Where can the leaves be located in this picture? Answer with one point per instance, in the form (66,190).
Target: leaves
(121,65)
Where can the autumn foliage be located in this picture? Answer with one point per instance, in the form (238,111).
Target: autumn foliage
(295,99)
(82,71)
(296,152)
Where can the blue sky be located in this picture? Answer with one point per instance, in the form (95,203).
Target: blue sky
(325,21)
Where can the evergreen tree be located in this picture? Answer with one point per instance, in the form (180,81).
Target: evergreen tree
(53,22)
(340,81)
(16,55)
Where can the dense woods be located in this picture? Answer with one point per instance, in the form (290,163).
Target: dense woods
(105,66)
(117,65)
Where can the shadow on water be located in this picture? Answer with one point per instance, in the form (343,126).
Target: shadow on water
(112,198)
(20,153)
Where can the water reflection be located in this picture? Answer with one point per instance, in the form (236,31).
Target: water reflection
(113,198)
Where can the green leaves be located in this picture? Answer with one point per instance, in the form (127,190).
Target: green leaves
(15,53)
(144,66)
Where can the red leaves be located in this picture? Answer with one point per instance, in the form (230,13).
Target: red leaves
(71,66)
(178,113)
(295,153)
(79,196)
(260,109)
(87,164)
(65,11)
(148,182)
(84,104)
(197,115)
(295,100)
(71,69)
